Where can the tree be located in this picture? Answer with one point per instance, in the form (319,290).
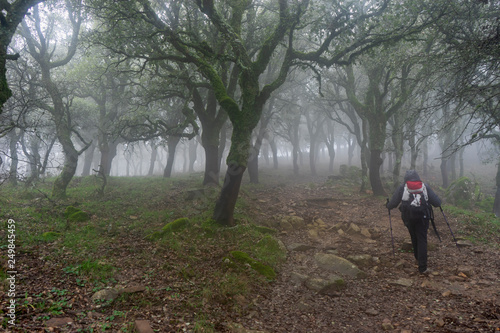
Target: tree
(41,44)
(11,15)
(343,32)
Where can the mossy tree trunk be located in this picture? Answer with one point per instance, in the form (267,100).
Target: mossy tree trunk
(212,119)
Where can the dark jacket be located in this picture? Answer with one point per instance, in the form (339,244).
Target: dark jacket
(412,175)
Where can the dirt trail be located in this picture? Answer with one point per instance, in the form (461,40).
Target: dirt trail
(462,294)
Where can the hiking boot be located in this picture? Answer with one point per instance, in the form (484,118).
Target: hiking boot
(427,272)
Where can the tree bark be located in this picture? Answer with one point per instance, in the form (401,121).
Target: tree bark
(152,161)
(108,153)
(13,13)
(193,145)
(496,203)
(224,207)
(87,160)
(375,180)
(172,146)
(14,139)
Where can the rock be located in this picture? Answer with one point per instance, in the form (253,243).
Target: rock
(446,293)
(365,232)
(402,282)
(291,222)
(387,325)
(106,295)
(331,262)
(132,290)
(142,326)
(468,271)
(298,278)
(439,322)
(59,322)
(313,233)
(354,229)
(463,243)
(326,287)
(372,312)
(360,259)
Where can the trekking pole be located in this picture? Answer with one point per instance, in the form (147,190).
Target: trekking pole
(390,225)
(452,235)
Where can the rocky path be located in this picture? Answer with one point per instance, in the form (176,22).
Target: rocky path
(341,274)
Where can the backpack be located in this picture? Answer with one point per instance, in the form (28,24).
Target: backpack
(414,202)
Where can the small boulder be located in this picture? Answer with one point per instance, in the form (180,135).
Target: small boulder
(331,262)
(108,295)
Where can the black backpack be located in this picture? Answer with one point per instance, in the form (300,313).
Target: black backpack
(414,202)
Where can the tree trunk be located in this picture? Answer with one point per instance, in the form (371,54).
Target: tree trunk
(312,157)
(108,153)
(224,207)
(14,138)
(351,145)
(253,165)
(425,157)
(375,180)
(69,168)
(444,171)
(154,154)
(212,164)
(496,203)
(397,141)
(193,145)
(172,146)
(88,159)
(274,150)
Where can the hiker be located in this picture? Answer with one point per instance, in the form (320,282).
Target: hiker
(414,197)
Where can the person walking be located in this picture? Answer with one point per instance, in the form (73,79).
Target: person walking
(415,197)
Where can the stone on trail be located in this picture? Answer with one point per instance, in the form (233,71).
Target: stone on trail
(106,295)
(142,326)
(387,325)
(354,229)
(298,278)
(365,232)
(463,243)
(466,270)
(326,287)
(360,259)
(290,222)
(402,282)
(331,262)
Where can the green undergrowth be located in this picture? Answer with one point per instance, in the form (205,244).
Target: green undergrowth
(145,226)
(476,225)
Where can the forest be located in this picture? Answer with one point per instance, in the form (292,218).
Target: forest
(181,128)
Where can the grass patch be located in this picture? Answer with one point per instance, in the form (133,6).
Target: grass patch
(477,226)
(189,248)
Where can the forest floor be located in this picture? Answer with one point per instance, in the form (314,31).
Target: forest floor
(164,285)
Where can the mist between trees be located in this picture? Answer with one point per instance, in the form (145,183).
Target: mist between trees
(128,88)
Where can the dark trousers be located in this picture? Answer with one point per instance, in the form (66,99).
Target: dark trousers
(418,232)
